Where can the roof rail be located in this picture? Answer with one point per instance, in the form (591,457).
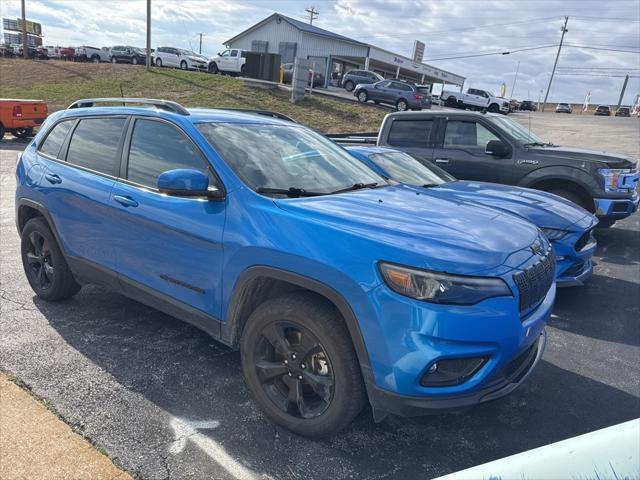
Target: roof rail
(266,113)
(161,104)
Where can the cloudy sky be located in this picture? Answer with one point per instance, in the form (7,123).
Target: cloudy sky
(450,28)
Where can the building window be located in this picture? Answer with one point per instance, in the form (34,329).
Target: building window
(259,46)
(287,51)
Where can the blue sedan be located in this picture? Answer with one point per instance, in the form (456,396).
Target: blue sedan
(568,226)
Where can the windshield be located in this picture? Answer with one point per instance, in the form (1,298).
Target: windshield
(517,131)
(403,168)
(188,52)
(287,157)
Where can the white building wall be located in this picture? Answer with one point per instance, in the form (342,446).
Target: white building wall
(271,32)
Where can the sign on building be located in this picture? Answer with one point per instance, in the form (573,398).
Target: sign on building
(418,51)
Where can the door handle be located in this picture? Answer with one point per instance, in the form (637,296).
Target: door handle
(442,160)
(52,178)
(125,201)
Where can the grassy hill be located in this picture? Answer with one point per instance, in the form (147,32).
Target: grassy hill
(59,83)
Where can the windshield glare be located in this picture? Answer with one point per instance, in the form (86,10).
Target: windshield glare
(284,157)
(403,168)
(517,131)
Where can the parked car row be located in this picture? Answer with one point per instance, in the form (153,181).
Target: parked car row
(401,288)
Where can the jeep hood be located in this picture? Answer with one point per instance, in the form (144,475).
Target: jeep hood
(606,159)
(439,233)
(540,208)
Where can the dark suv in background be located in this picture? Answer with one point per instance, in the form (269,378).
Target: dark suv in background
(125,54)
(353,78)
(528,105)
(400,93)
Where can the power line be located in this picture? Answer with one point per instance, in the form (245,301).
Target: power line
(501,52)
(587,47)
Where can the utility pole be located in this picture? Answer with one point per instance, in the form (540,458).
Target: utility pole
(624,87)
(313,14)
(555,64)
(200,49)
(25,42)
(515,79)
(148,62)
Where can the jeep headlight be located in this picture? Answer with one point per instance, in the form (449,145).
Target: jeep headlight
(444,288)
(553,233)
(611,177)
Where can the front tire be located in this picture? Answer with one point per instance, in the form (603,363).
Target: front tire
(451,102)
(183,65)
(494,108)
(363,96)
(95,59)
(300,365)
(158,62)
(349,86)
(114,60)
(573,197)
(213,68)
(44,264)
(134,61)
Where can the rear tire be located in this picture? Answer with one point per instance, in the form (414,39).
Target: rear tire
(134,61)
(44,264)
(402,105)
(1,131)
(95,59)
(213,68)
(159,62)
(114,60)
(349,86)
(300,365)
(451,102)
(23,132)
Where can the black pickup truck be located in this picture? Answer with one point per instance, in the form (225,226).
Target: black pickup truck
(492,148)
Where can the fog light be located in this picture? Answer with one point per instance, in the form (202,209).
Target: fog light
(452,371)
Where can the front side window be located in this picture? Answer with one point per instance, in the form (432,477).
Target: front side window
(410,133)
(517,131)
(403,168)
(52,144)
(465,135)
(157,147)
(225,53)
(94,144)
(285,157)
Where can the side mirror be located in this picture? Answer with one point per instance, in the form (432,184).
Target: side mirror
(219,54)
(187,182)
(497,148)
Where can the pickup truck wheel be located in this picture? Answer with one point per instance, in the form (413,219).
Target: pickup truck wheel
(158,62)
(494,108)
(402,105)
(114,60)
(213,68)
(349,86)
(451,102)
(95,59)
(1,131)
(134,61)
(242,70)
(572,197)
(183,65)
(363,97)
(23,132)
(44,264)
(300,365)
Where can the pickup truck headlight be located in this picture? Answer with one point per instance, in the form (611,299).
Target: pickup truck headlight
(441,288)
(611,177)
(553,233)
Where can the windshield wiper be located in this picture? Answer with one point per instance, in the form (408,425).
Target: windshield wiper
(357,186)
(290,192)
(539,144)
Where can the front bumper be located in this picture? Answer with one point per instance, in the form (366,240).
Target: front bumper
(410,336)
(574,267)
(616,208)
(505,382)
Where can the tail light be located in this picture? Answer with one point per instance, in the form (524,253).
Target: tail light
(17,111)
(418,96)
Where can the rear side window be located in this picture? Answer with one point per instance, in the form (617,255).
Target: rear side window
(157,147)
(52,144)
(410,133)
(94,144)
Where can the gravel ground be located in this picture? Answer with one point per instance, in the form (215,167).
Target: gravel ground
(165,401)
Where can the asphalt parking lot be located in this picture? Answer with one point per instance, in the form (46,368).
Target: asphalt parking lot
(166,401)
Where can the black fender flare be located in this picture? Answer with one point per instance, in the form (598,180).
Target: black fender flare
(230,333)
(25,202)
(563,173)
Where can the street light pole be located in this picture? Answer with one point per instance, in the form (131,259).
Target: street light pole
(148,60)
(25,43)
(555,64)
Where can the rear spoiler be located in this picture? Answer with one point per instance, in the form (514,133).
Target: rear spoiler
(367,138)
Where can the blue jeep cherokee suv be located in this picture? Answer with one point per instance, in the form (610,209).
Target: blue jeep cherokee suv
(273,239)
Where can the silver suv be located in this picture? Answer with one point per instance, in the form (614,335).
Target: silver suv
(353,78)
(399,93)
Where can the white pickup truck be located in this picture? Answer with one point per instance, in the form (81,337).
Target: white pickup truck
(475,99)
(92,54)
(229,61)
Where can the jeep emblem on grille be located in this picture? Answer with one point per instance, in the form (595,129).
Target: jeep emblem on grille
(536,248)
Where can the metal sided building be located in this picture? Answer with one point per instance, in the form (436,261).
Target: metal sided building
(334,54)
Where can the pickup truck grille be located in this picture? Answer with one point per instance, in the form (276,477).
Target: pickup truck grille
(535,281)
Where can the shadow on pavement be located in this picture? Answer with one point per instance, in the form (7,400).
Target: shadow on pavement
(188,375)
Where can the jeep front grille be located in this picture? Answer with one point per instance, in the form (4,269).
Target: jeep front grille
(535,281)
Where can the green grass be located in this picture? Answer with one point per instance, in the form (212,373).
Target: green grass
(60,83)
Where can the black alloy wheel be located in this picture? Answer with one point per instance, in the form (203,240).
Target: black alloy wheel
(39,260)
(23,132)
(294,370)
